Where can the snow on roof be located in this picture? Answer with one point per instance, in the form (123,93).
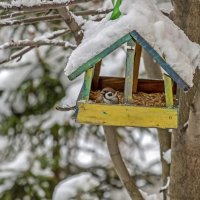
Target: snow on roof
(144,17)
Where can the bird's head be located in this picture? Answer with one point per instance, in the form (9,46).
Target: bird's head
(108,91)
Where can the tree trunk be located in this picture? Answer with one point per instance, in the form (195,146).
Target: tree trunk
(185,166)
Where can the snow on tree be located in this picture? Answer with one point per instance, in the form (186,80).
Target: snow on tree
(144,17)
(41,146)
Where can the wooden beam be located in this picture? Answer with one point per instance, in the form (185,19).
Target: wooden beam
(169,97)
(138,51)
(180,82)
(90,63)
(144,85)
(95,80)
(104,114)
(128,87)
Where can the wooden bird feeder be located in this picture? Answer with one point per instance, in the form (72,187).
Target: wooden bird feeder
(126,113)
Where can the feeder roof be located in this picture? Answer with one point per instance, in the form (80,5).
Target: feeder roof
(142,21)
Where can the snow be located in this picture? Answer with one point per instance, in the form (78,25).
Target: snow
(150,197)
(144,17)
(30,3)
(167,156)
(38,171)
(20,163)
(69,187)
(165,7)
(3,142)
(56,117)
(144,158)
(6,186)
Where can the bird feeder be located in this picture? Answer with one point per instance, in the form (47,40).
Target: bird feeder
(127,113)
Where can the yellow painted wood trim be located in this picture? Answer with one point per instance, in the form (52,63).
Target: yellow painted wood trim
(124,115)
(168,91)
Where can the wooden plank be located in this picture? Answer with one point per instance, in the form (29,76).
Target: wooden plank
(180,82)
(144,85)
(85,92)
(169,97)
(128,87)
(124,115)
(95,80)
(90,63)
(138,51)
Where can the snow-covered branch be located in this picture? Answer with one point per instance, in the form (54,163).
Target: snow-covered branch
(16,14)
(49,36)
(17,55)
(30,20)
(38,5)
(92,12)
(37,43)
(78,13)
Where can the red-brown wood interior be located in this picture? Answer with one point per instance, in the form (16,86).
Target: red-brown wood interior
(144,85)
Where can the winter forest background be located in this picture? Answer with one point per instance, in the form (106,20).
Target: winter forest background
(40,146)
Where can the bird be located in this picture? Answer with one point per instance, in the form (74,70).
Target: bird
(110,96)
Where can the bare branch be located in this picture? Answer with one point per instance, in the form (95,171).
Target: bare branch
(42,6)
(79,13)
(30,20)
(92,12)
(72,24)
(14,67)
(57,33)
(45,18)
(18,55)
(68,108)
(20,13)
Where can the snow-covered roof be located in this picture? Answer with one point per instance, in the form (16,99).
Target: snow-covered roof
(161,33)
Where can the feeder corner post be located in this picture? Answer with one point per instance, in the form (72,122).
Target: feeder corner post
(85,92)
(168,84)
(128,86)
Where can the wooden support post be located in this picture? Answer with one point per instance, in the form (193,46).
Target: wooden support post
(128,87)
(95,80)
(138,51)
(85,92)
(168,91)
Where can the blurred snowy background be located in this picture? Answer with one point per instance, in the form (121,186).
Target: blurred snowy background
(44,154)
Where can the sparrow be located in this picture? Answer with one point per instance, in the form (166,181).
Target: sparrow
(110,96)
